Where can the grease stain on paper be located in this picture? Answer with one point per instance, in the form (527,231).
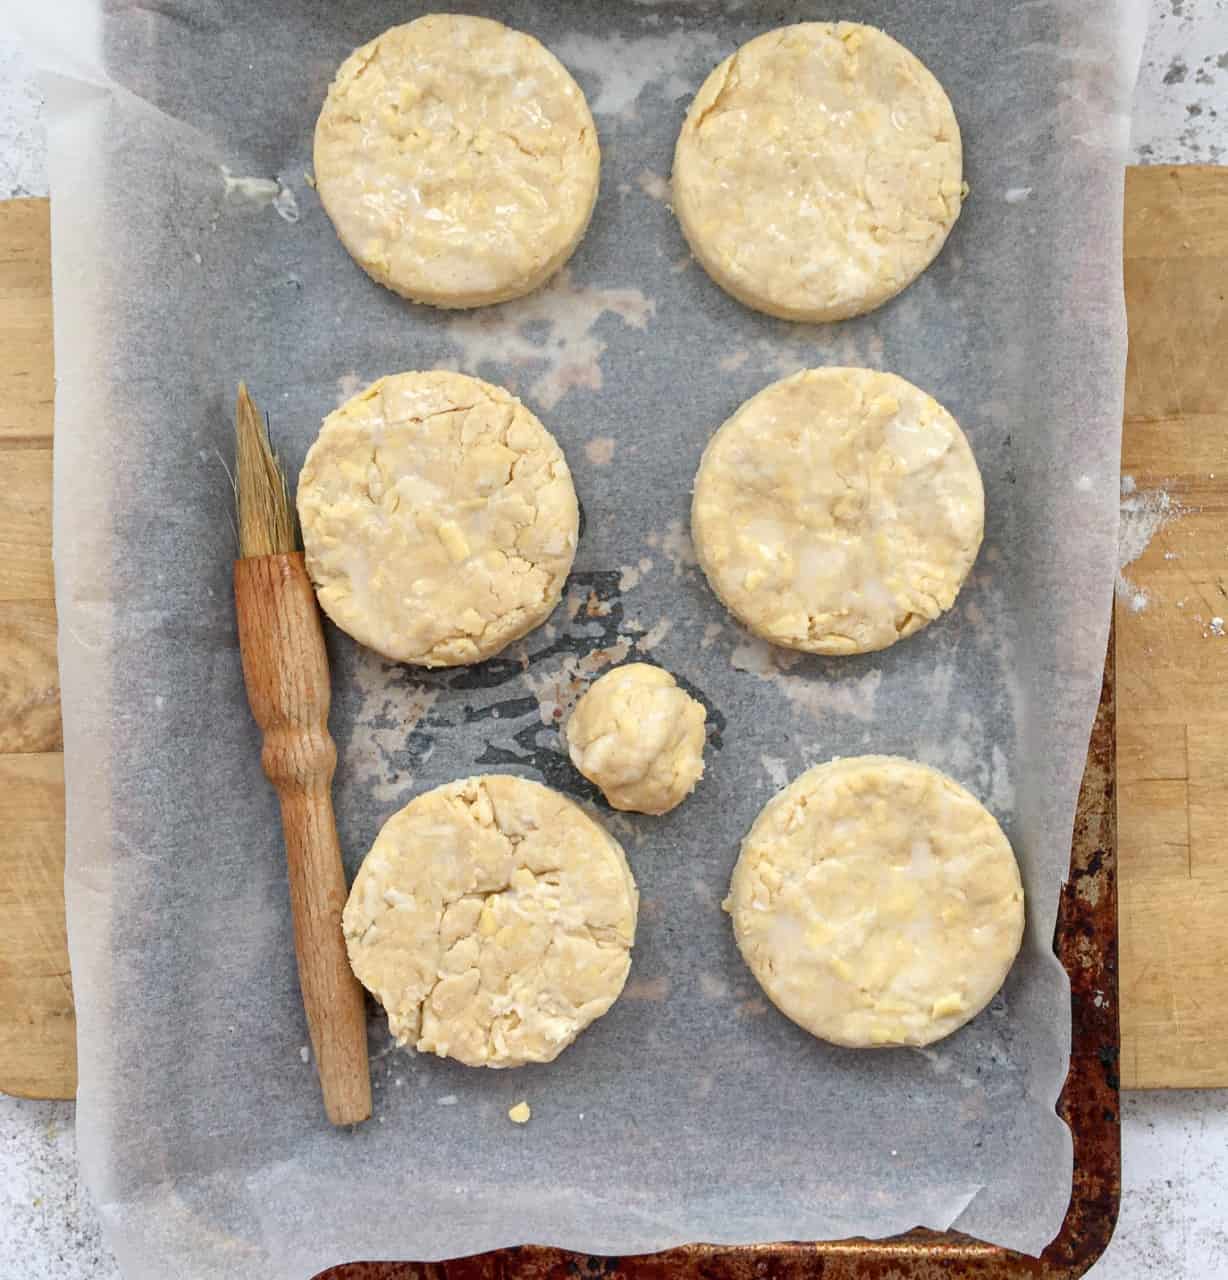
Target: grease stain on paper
(549,335)
(624,67)
(262,192)
(818,695)
(385,742)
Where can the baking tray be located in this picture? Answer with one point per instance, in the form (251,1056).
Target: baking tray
(1085,940)
(139,1130)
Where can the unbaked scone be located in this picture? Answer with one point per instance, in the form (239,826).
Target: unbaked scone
(439,518)
(493,920)
(818,171)
(639,737)
(877,903)
(457,159)
(838,511)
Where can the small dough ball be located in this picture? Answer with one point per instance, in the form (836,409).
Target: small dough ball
(458,161)
(838,511)
(493,919)
(877,903)
(819,171)
(439,518)
(639,737)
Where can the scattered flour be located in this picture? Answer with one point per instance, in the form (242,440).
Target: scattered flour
(762,659)
(630,574)
(675,545)
(1017,195)
(653,185)
(1144,512)
(552,327)
(348,385)
(776,770)
(600,451)
(713,987)
(654,635)
(1136,598)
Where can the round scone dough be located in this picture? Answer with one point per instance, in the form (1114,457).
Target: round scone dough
(458,160)
(493,920)
(838,511)
(818,171)
(439,518)
(877,903)
(639,737)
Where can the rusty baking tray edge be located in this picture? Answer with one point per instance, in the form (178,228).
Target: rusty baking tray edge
(1085,940)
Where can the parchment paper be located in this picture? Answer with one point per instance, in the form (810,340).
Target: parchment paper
(190,251)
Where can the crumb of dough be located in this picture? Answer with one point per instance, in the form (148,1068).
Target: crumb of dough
(521,1113)
(639,737)
(877,903)
(439,518)
(838,511)
(493,919)
(819,171)
(458,160)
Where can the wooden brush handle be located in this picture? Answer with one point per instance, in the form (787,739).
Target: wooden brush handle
(285,668)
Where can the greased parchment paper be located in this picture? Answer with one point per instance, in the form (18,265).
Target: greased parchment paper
(189,251)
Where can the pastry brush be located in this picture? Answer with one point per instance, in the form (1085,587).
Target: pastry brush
(285,669)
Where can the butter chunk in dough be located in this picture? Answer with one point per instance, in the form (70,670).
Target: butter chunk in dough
(639,737)
(819,171)
(493,920)
(458,160)
(439,518)
(838,511)
(877,903)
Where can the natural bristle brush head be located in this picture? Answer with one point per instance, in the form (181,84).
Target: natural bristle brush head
(265,517)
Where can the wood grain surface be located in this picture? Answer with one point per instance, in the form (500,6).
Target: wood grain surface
(1172,666)
(38,1053)
(285,670)
(1172,660)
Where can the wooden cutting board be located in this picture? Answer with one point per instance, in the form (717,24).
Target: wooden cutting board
(1172,661)
(1172,653)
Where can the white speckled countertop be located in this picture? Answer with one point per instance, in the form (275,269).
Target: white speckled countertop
(1174,1214)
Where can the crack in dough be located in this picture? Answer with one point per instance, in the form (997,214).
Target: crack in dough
(819,171)
(458,161)
(439,518)
(838,511)
(493,919)
(877,903)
